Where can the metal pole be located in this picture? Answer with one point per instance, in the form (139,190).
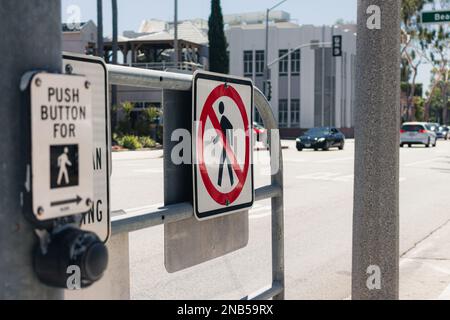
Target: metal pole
(375,273)
(39,19)
(266,52)
(322,119)
(332,85)
(276,160)
(100,46)
(175,42)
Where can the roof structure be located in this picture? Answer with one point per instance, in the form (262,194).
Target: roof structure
(160,31)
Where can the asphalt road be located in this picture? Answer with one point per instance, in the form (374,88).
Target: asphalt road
(318,224)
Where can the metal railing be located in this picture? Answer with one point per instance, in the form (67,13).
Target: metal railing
(125,222)
(162,66)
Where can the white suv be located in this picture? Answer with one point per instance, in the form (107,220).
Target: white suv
(417,133)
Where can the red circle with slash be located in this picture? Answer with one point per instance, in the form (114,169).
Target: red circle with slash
(208,112)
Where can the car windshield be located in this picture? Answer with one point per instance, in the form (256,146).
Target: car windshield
(257,125)
(412,127)
(317,131)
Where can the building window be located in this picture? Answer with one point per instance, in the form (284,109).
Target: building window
(295,113)
(295,62)
(283,113)
(248,63)
(284,63)
(259,57)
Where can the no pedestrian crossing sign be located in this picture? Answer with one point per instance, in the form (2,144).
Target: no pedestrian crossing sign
(222,144)
(61,129)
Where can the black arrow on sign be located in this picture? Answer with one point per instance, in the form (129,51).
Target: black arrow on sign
(77,200)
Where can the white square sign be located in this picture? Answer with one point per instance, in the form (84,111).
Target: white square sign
(222,144)
(61,128)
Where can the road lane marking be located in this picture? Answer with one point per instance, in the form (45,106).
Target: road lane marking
(332,176)
(295,160)
(335,160)
(412,164)
(149,171)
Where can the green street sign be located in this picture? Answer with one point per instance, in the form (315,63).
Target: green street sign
(435,16)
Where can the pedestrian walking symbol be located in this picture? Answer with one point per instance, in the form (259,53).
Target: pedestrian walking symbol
(222,115)
(63,162)
(227,132)
(64,169)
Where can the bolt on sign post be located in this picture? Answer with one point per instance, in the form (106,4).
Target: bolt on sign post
(39,19)
(375,267)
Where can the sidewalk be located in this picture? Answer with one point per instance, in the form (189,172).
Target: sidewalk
(425,269)
(137,155)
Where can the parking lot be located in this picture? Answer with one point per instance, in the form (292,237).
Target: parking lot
(318,228)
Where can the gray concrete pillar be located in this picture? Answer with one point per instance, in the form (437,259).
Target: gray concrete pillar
(375,273)
(31,37)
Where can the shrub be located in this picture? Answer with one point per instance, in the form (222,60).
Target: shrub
(130,142)
(147,142)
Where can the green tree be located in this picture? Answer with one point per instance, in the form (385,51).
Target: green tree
(411,53)
(435,45)
(218,57)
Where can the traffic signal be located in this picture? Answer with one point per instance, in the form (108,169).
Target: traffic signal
(268,89)
(337,46)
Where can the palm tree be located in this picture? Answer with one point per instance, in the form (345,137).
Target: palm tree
(100,48)
(115,31)
(114,59)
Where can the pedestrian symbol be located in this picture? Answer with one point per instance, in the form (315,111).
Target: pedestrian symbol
(63,162)
(64,166)
(227,131)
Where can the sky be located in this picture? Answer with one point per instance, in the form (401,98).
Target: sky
(132,12)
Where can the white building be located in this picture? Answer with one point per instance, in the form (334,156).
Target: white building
(310,87)
(80,38)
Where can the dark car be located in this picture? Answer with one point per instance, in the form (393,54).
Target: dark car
(321,138)
(443,133)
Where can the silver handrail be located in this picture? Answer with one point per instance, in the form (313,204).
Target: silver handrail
(125,222)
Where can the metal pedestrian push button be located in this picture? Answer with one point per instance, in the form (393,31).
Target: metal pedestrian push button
(71,247)
(61,131)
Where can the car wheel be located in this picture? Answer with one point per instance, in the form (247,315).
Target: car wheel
(409,146)
(327,147)
(341,147)
(315,149)
(428,143)
(402,145)
(300,149)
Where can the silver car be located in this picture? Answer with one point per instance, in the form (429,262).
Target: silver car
(417,133)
